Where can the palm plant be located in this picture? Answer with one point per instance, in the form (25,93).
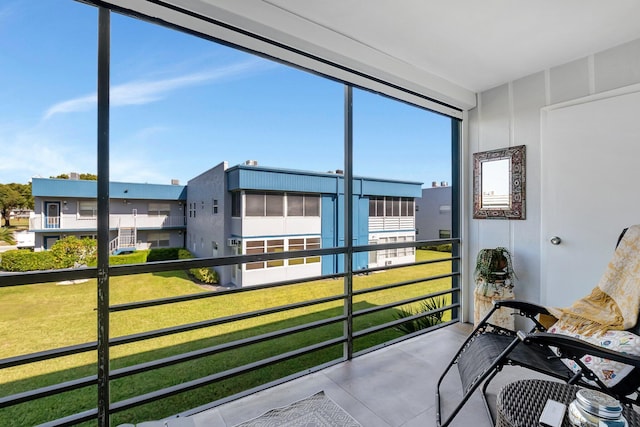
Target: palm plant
(6,236)
(421,322)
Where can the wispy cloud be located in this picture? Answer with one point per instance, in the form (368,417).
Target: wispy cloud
(147,91)
(38,153)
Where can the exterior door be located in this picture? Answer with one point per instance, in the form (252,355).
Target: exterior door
(52,214)
(590,178)
(49,241)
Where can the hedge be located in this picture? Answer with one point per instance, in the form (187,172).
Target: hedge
(447,247)
(137,257)
(21,260)
(68,253)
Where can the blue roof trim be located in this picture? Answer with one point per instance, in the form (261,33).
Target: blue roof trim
(243,177)
(43,187)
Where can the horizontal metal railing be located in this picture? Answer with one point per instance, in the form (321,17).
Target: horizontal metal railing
(123,270)
(74,222)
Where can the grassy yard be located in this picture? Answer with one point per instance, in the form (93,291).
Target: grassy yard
(45,316)
(17,224)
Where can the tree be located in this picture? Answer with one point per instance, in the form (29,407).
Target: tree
(6,236)
(83,176)
(88,177)
(14,196)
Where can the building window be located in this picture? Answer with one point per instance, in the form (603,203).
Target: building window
(296,245)
(88,209)
(373,255)
(391,206)
(192,210)
(444,234)
(264,204)
(303,205)
(313,243)
(265,246)
(276,245)
(393,252)
(388,207)
(236,204)
(376,206)
(159,209)
(408,250)
(158,240)
(254,204)
(255,247)
(214,208)
(445,209)
(407,207)
(295,205)
(274,204)
(300,244)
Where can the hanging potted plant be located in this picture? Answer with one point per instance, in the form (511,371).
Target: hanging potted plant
(494,266)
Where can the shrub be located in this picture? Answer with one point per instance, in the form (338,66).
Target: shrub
(421,322)
(184,254)
(20,260)
(71,251)
(201,274)
(204,275)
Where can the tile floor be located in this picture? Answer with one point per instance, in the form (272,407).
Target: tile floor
(392,387)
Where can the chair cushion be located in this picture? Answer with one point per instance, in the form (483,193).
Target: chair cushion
(608,371)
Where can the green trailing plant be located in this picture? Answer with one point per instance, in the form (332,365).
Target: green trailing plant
(422,322)
(492,261)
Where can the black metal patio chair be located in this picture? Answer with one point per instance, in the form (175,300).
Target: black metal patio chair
(489,348)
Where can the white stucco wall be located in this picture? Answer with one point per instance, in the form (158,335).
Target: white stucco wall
(509,115)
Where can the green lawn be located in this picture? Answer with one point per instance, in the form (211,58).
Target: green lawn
(41,317)
(17,223)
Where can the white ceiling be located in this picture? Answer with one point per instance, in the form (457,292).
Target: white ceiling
(476,44)
(452,47)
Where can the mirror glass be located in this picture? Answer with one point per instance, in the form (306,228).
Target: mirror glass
(495,184)
(499,184)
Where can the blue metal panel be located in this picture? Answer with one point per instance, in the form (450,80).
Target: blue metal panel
(333,231)
(374,187)
(360,231)
(42,187)
(328,233)
(252,178)
(243,177)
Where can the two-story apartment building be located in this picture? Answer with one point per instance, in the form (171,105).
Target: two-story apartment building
(244,209)
(250,209)
(140,215)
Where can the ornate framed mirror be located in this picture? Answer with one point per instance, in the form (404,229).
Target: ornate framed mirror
(499,184)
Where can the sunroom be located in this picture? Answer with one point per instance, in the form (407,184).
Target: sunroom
(151,90)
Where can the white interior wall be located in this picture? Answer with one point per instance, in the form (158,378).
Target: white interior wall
(509,115)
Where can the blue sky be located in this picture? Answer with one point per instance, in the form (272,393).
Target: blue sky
(180,105)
